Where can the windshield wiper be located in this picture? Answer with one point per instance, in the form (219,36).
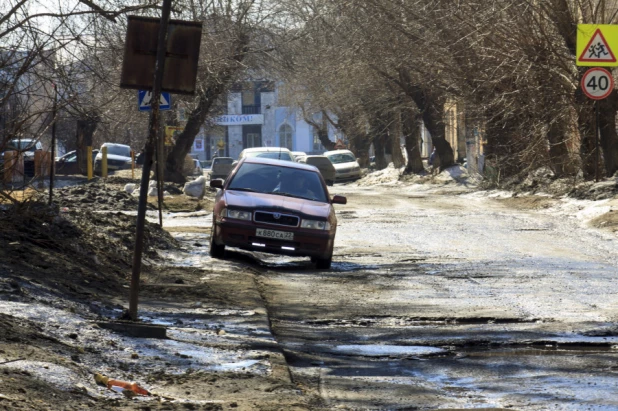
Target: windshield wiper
(293,195)
(244,189)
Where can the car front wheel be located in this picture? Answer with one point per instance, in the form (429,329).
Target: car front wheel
(323,263)
(216,250)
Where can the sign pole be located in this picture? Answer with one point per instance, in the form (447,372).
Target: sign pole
(597,137)
(153,131)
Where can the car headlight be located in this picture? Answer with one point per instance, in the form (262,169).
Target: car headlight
(315,224)
(236,214)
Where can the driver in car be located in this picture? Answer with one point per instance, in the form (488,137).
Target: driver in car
(297,185)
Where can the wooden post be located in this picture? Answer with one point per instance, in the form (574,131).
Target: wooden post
(149,149)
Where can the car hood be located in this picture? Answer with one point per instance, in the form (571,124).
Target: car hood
(344,166)
(276,202)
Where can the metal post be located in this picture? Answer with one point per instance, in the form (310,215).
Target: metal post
(89,161)
(159,176)
(597,137)
(104,161)
(153,131)
(53,147)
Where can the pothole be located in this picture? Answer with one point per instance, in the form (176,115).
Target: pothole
(416,321)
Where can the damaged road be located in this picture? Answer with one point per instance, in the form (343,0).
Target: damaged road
(438,298)
(442,299)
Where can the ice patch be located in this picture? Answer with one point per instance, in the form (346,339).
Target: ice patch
(387,350)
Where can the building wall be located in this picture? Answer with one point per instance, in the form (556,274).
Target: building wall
(274,117)
(234,133)
(267,107)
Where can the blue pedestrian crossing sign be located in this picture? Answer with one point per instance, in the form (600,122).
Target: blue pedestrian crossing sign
(144,97)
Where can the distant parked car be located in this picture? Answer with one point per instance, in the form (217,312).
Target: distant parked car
(25,148)
(326,167)
(346,166)
(221,167)
(299,156)
(67,164)
(276,153)
(273,206)
(118,157)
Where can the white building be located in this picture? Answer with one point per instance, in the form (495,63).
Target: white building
(255,119)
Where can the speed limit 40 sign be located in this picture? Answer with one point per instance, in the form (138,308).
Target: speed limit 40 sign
(597,83)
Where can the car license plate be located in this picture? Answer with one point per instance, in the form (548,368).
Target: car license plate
(279,235)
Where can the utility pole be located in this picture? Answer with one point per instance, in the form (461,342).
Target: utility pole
(52,160)
(153,133)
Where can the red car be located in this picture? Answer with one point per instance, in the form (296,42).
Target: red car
(274,206)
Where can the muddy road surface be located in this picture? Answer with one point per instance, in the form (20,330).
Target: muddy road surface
(450,300)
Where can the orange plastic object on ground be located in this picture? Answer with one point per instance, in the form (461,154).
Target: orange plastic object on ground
(109,383)
(131,386)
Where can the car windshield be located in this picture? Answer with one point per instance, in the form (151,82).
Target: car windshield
(22,144)
(119,150)
(279,180)
(341,158)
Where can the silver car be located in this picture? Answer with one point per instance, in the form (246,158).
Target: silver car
(346,166)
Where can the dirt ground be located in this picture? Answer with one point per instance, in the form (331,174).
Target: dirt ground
(72,261)
(69,266)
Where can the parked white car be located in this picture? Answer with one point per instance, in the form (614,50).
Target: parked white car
(118,157)
(299,156)
(346,166)
(275,153)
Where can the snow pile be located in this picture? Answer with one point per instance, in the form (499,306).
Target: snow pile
(389,175)
(454,174)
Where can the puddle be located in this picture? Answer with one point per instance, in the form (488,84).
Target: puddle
(387,350)
(346,266)
(55,375)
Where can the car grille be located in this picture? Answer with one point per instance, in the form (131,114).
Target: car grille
(276,218)
(116,163)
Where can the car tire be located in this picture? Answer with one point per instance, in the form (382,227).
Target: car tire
(216,250)
(323,263)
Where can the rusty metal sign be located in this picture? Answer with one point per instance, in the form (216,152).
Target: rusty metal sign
(181,57)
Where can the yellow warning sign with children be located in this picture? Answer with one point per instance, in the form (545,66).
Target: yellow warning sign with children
(597,45)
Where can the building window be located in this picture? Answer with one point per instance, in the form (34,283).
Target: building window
(286,136)
(253,140)
(317,144)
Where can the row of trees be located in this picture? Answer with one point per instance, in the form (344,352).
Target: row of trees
(376,70)
(386,66)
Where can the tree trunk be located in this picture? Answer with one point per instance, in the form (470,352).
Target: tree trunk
(85,130)
(432,110)
(395,139)
(412,134)
(586,127)
(609,137)
(359,145)
(322,129)
(559,156)
(431,107)
(175,159)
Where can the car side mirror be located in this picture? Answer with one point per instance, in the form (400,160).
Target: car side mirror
(216,183)
(337,199)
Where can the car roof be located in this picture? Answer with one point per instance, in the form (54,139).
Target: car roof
(273,162)
(338,152)
(115,144)
(265,149)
